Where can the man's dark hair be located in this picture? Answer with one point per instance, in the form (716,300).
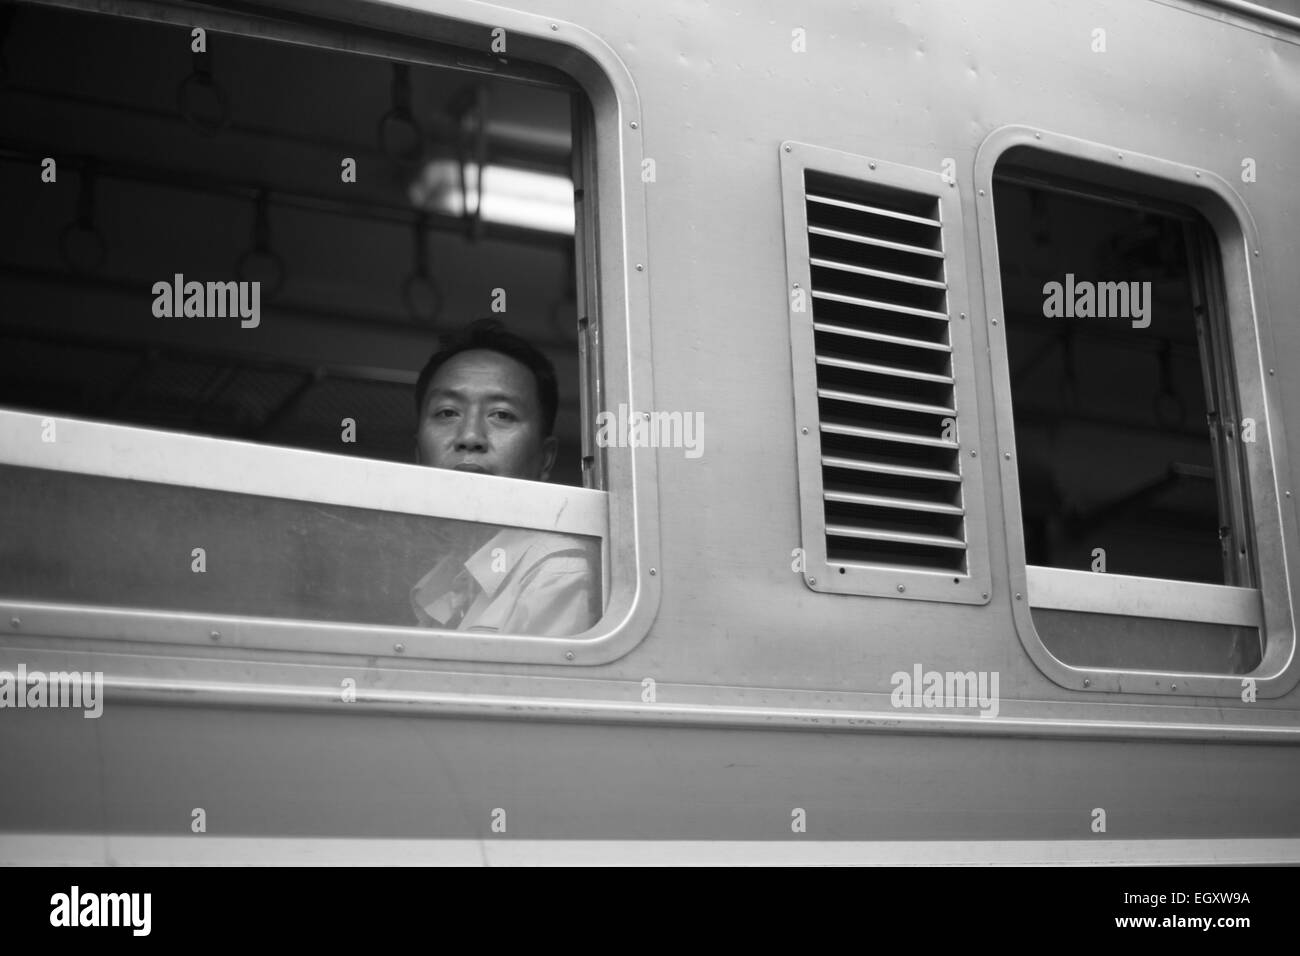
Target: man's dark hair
(492,336)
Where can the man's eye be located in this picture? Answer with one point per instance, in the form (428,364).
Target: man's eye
(444,413)
(502,415)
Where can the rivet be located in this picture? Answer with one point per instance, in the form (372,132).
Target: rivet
(555,26)
(215,635)
(1017,595)
(1288,494)
(995,321)
(1120,155)
(1256,252)
(984,595)
(568,655)
(963,315)
(796,285)
(1198,174)
(804,430)
(653,572)
(972,452)
(787,149)
(1270,371)
(1006,455)
(981,192)
(640,267)
(1173,687)
(872,165)
(399,647)
(1038,136)
(646,415)
(812,581)
(901,589)
(15,622)
(634,124)
(1086,682)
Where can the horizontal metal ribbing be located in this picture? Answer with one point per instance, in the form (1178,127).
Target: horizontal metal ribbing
(885,468)
(856,431)
(834,329)
(878,304)
(895,537)
(877,273)
(873,210)
(884,501)
(874,241)
(845,236)
(889,370)
(879,401)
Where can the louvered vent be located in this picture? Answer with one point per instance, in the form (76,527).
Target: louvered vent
(889,457)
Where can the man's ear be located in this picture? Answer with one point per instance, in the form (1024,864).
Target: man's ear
(550,447)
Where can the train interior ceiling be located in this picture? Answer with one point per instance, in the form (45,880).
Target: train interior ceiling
(229,165)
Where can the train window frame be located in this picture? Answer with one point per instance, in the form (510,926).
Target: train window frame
(822,571)
(613,311)
(1106,167)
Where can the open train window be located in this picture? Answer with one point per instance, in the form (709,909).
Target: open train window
(225,260)
(1133,423)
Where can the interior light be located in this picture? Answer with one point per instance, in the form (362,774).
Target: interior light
(509,196)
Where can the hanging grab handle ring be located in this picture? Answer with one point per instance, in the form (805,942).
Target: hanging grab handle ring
(81,244)
(420,293)
(199,85)
(399,124)
(473,156)
(260,258)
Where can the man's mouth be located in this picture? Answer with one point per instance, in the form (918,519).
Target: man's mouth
(471,467)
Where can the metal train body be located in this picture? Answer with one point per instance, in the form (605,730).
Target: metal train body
(723,696)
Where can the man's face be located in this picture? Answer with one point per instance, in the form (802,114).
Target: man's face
(482,414)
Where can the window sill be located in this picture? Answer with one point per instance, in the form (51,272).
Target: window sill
(1063,589)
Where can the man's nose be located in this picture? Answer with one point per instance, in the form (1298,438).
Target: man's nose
(472,435)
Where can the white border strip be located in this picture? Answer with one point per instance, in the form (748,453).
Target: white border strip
(197,461)
(1066,589)
(202,850)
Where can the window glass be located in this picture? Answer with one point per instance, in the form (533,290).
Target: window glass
(1142,643)
(90,540)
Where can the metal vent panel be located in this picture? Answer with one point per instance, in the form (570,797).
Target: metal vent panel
(891,496)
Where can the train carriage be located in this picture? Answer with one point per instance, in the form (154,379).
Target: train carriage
(925,396)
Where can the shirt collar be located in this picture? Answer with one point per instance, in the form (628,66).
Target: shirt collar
(522,549)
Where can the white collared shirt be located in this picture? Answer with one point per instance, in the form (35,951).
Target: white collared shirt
(538,583)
